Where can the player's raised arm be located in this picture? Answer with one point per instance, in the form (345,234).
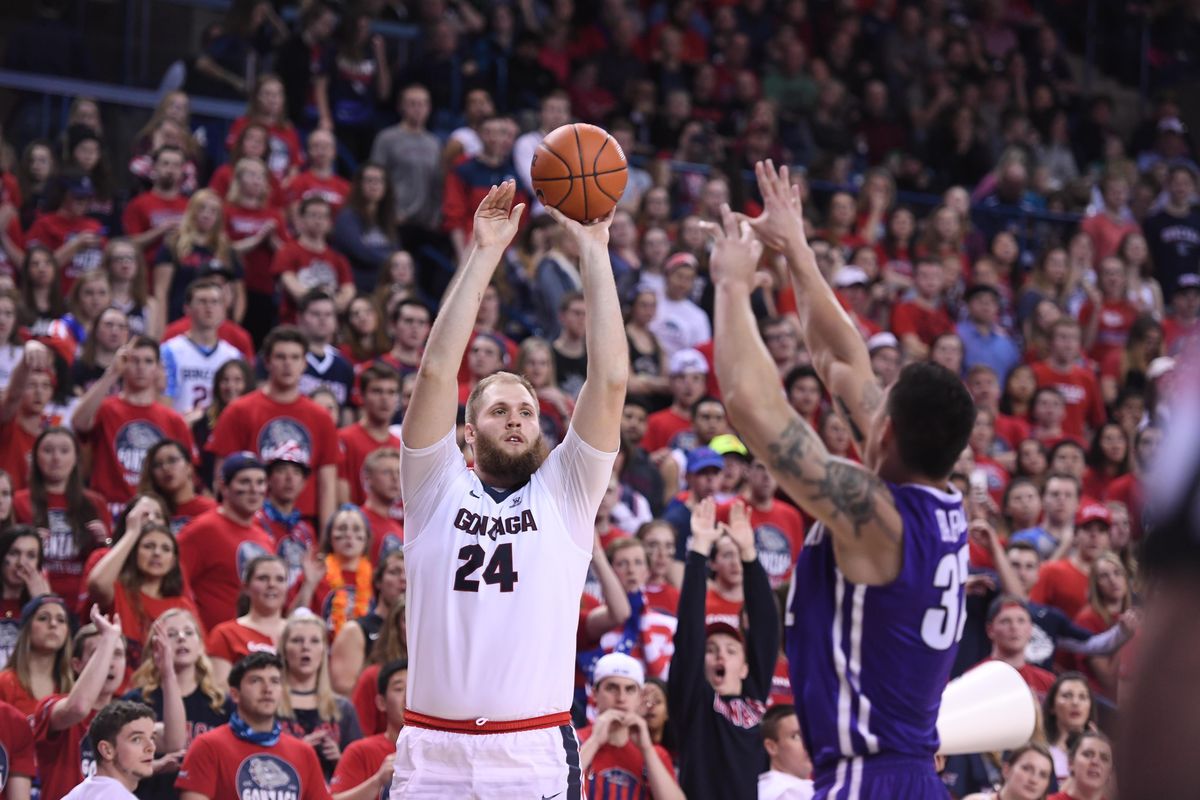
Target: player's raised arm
(597,417)
(839,354)
(853,502)
(434,405)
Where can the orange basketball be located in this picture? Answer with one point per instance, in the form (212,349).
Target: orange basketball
(580,170)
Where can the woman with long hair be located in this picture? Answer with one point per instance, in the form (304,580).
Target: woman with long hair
(21,580)
(353,645)
(231,380)
(398,281)
(365,228)
(1145,292)
(40,664)
(359,83)
(264,594)
(202,697)
(647,359)
(338,586)
(139,577)
(199,245)
(1049,280)
(109,332)
(309,709)
(1033,459)
(76,519)
(84,153)
(253,143)
(535,362)
(1127,366)
(1017,397)
(657,715)
(1068,710)
(34,173)
(127,279)
(88,297)
(167,472)
(257,231)
(1091,768)
(658,537)
(1027,772)
(267,107)
(42,301)
(170,124)
(1109,597)
(1109,457)
(363,338)
(391,645)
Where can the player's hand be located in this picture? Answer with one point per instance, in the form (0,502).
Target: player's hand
(741,531)
(383,775)
(590,234)
(496,219)
(781,224)
(37,357)
(704,527)
(736,253)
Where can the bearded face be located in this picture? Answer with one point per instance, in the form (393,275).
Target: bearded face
(494,456)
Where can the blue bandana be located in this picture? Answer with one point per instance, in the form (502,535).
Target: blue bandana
(275,515)
(241,729)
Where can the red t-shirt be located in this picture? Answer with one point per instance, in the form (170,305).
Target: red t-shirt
(283,145)
(136,626)
(718,609)
(17,747)
(233,641)
(258,423)
(781,684)
(1128,489)
(221,766)
(17,451)
(1113,329)
(120,437)
(186,512)
(370,718)
(325,269)
(213,552)
(356,444)
(360,762)
(54,230)
(65,758)
(242,223)
(222,179)
(333,190)
(662,597)
(292,544)
(1061,584)
(1174,332)
(778,537)
(619,771)
(1078,387)
(1106,233)
(229,332)
(387,533)
(925,323)
(1012,430)
(64,560)
(149,210)
(661,427)
(12,693)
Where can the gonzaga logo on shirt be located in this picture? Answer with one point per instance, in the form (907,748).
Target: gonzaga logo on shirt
(285,433)
(247,552)
(133,440)
(267,777)
(774,551)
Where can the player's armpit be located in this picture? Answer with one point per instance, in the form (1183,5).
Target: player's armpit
(853,503)
(856,395)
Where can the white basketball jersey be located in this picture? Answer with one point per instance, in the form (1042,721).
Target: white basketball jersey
(190,370)
(494,587)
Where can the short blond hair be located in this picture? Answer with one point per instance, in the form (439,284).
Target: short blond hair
(476,396)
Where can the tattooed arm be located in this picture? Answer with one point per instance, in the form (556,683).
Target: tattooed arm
(854,504)
(839,354)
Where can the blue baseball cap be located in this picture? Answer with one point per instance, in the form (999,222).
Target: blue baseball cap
(238,462)
(704,458)
(31,608)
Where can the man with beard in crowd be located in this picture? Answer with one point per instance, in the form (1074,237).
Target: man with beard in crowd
(517,534)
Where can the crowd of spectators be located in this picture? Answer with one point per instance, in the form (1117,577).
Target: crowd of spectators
(205,353)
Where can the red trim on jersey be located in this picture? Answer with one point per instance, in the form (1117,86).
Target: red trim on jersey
(415,719)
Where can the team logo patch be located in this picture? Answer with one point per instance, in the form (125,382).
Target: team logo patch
(9,629)
(132,442)
(3,766)
(267,777)
(774,552)
(247,552)
(391,542)
(285,435)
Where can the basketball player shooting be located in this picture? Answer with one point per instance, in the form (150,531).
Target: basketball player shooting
(497,557)
(877,601)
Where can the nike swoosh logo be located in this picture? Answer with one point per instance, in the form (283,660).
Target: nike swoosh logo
(477,496)
(551,797)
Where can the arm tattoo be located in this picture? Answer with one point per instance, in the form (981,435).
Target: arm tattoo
(871,397)
(855,431)
(789,451)
(850,489)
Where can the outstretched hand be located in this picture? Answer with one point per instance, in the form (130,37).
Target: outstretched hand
(704,526)
(593,233)
(741,531)
(781,224)
(736,251)
(496,219)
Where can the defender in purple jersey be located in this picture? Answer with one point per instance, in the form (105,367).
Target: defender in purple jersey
(877,603)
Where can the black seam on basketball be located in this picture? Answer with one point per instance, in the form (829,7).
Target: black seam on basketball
(579,148)
(606,194)
(596,160)
(569,176)
(585,175)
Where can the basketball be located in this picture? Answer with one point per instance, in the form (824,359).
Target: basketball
(580,170)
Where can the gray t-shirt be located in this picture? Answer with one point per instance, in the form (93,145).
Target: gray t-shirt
(412,161)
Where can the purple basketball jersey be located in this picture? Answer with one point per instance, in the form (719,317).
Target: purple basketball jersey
(868,663)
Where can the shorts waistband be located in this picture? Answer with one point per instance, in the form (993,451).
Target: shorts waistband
(826,775)
(483,725)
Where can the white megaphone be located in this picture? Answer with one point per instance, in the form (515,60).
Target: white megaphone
(986,710)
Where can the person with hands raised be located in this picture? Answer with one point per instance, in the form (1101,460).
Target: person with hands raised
(720,674)
(60,722)
(884,569)
(618,744)
(22,409)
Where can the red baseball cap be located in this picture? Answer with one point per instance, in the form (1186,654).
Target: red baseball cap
(725,628)
(1093,512)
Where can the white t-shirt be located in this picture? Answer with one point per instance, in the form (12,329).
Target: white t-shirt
(494,585)
(10,357)
(679,324)
(776,785)
(99,787)
(472,145)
